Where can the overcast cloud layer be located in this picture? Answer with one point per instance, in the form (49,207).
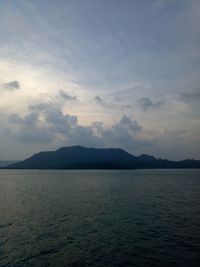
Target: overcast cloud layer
(102,74)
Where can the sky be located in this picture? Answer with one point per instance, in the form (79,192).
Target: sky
(99,73)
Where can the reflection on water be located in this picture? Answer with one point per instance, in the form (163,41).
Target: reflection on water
(99,218)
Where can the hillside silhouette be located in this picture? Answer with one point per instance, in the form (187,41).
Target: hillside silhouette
(78,157)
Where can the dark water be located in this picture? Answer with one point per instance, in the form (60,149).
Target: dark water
(100,218)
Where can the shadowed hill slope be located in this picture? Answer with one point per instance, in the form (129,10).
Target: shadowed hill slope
(78,157)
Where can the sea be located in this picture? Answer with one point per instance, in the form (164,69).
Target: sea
(100,218)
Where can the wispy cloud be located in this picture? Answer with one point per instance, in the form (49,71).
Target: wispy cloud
(13,85)
(190,97)
(147,104)
(66,96)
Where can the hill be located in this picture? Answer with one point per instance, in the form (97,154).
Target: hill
(4,163)
(78,157)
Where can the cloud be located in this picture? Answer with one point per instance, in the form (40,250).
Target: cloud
(66,96)
(112,104)
(52,115)
(130,124)
(99,100)
(126,133)
(190,97)
(30,129)
(192,100)
(29,119)
(146,103)
(13,85)
(46,123)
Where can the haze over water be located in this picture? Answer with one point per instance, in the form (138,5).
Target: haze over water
(99,218)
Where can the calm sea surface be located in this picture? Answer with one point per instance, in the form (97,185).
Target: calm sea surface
(99,218)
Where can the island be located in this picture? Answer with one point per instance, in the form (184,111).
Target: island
(79,157)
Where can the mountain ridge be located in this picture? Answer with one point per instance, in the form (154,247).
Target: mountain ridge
(79,157)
